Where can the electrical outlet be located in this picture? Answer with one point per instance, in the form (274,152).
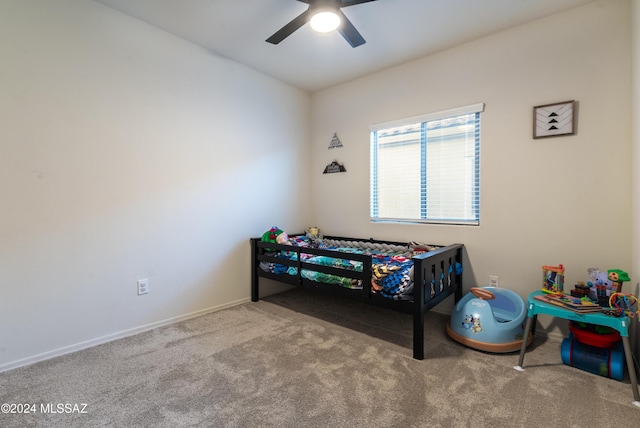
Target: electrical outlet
(143,286)
(493,281)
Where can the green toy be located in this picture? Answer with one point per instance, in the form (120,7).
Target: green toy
(618,276)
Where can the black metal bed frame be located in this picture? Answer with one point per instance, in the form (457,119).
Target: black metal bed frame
(436,277)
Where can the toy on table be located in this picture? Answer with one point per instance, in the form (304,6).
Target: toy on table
(580,290)
(553,279)
(618,276)
(624,303)
(600,285)
(575,304)
(604,283)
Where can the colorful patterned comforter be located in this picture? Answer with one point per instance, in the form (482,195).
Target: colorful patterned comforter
(392,273)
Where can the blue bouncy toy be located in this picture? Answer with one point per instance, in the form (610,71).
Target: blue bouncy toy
(489,319)
(603,361)
(593,348)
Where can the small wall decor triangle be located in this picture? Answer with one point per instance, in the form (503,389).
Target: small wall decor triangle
(334,167)
(335,141)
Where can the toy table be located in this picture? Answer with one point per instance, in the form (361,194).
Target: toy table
(620,324)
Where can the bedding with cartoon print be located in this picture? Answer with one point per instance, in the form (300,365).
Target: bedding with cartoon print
(392,272)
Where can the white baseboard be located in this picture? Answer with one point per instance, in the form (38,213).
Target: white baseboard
(115,336)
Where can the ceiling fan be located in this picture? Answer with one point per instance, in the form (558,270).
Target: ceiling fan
(324,16)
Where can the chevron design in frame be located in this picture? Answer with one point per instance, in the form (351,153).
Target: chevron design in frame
(553,120)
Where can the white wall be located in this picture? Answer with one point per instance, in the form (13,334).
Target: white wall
(128,153)
(543,202)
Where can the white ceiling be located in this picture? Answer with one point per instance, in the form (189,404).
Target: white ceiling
(396,31)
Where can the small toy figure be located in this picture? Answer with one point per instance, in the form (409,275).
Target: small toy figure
(314,233)
(553,279)
(276,235)
(600,286)
(617,277)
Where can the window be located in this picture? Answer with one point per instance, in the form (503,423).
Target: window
(427,169)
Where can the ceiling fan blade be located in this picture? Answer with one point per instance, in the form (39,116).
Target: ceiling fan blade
(350,33)
(346,3)
(288,29)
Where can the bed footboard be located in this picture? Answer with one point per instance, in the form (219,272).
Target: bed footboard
(437,275)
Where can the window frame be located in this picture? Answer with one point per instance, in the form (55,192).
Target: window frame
(422,121)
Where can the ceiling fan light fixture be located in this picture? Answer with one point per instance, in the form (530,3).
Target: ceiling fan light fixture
(323,16)
(325,21)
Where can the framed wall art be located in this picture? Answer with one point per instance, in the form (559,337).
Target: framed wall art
(554,120)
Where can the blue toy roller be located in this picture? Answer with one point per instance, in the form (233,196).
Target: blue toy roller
(603,361)
(489,319)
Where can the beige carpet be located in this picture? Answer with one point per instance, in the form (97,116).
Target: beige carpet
(300,359)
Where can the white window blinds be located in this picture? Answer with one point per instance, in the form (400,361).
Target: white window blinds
(427,168)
